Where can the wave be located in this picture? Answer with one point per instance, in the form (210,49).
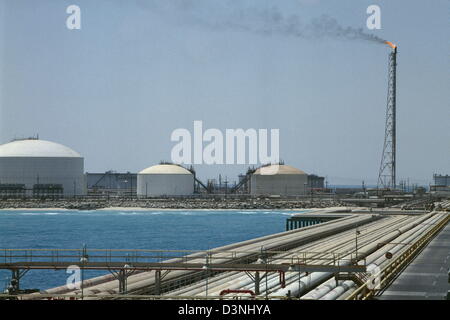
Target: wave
(128,213)
(248,212)
(39,213)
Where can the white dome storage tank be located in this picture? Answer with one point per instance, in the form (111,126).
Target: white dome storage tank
(165,180)
(280,180)
(42,168)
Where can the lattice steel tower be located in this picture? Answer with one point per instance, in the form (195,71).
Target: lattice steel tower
(386,176)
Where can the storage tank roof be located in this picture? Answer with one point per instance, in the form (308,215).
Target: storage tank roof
(282,169)
(165,169)
(36,148)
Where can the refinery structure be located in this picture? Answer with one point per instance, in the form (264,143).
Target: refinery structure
(165,179)
(35,168)
(43,169)
(38,168)
(357,250)
(285,180)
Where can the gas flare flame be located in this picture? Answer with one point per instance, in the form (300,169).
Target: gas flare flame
(390,44)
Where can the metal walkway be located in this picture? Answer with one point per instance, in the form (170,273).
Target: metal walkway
(426,278)
(124,263)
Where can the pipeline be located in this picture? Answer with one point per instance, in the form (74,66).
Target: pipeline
(376,260)
(316,278)
(141,283)
(343,246)
(336,292)
(244,282)
(109,278)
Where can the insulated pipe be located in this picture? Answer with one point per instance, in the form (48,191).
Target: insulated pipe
(262,282)
(329,287)
(107,278)
(294,274)
(316,278)
(287,279)
(275,283)
(146,279)
(346,294)
(377,259)
(321,290)
(379,254)
(200,285)
(336,292)
(313,278)
(394,235)
(244,282)
(382,262)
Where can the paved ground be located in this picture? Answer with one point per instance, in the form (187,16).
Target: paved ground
(426,278)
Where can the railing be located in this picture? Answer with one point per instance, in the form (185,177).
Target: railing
(123,263)
(13,258)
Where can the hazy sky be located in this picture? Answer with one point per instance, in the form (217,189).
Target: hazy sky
(137,70)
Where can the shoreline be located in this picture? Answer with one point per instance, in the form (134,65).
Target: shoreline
(141,209)
(166,204)
(152,209)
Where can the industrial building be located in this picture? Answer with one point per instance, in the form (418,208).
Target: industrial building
(165,180)
(33,167)
(316,182)
(441,180)
(441,184)
(280,180)
(111,183)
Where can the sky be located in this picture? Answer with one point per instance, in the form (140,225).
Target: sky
(116,89)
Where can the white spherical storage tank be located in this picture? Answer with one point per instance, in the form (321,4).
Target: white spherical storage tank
(165,180)
(42,167)
(280,180)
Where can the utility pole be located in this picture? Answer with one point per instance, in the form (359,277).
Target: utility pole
(226,186)
(356,243)
(131,185)
(83,261)
(364,188)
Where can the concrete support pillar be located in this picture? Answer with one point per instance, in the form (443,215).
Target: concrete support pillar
(15,281)
(157,282)
(122,277)
(257,282)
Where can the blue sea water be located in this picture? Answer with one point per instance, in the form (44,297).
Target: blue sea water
(165,230)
